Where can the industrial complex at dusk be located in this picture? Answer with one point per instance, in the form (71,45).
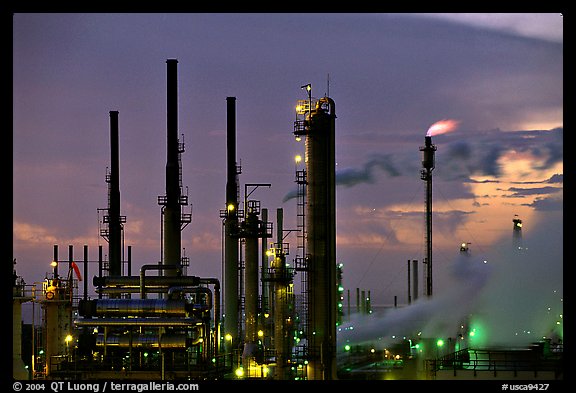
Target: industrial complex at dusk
(279,310)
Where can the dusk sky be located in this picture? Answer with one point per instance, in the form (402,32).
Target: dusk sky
(391,76)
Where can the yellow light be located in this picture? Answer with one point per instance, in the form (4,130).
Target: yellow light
(230,207)
(298,158)
(239,372)
(260,333)
(298,138)
(53,263)
(68,338)
(228,337)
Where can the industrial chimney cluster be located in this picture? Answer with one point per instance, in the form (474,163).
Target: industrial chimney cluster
(166,324)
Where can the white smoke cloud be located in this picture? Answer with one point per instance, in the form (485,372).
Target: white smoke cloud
(513,296)
(439,315)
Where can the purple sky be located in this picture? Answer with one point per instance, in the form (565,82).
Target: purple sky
(391,76)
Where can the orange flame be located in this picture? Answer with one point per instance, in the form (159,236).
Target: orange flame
(442,127)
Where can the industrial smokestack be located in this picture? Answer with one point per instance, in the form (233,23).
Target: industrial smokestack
(171,201)
(415,279)
(426,174)
(114,219)
(231,283)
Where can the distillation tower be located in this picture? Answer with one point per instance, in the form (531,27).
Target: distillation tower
(319,130)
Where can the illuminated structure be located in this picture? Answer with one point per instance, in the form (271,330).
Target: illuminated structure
(319,129)
(165,324)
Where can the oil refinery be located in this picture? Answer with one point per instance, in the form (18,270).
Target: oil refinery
(273,314)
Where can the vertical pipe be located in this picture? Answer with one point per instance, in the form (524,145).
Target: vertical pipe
(70,257)
(231,276)
(348,314)
(281,333)
(172,213)
(55,260)
(426,174)
(100,270)
(114,222)
(85,272)
(264,266)
(429,235)
(409,279)
(129,261)
(368,303)
(129,265)
(415,279)
(251,282)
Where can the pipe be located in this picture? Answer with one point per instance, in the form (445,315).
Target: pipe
(55,261)
(231,276)
(415,279)
(100,268)
(143,322)
(282,337)
(143,270)
(85,272)
(426,175)
(152,282)
(172,211)
(251,281)
(409,280)
(114,220)
(196,290)
(164,341)
(265,295)
(216,283)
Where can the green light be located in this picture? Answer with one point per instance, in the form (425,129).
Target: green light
(347,347)
(440,342)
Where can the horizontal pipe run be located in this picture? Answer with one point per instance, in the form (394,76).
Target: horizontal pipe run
(145,322)
(164,341)
(151,281)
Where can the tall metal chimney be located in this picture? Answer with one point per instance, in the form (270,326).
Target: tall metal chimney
(231,277)
(426,174)
(171,202)
(319,129)
(114,218)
